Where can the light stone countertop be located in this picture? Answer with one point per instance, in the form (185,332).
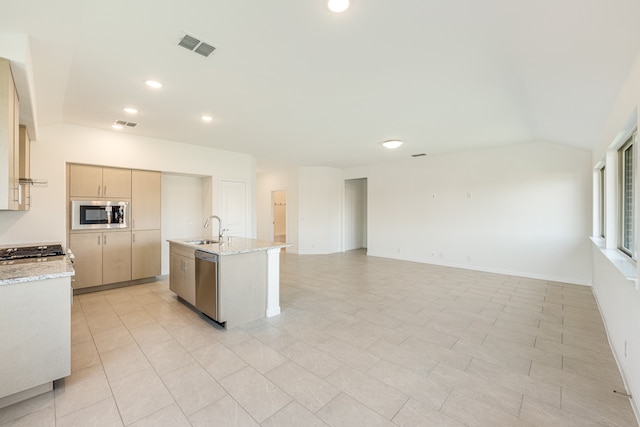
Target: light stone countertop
(238,245)
(11,273)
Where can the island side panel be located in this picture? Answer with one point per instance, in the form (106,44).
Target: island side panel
(242,288)
(35,326)
(273,282)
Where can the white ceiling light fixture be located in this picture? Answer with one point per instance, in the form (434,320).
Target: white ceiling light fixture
(206,118)
(130,110)
(153,83)
(338,6)
(392,144)
(117,126)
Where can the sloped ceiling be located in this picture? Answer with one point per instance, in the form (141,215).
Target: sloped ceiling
(295,84)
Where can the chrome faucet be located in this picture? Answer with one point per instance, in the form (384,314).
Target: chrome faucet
(206,224)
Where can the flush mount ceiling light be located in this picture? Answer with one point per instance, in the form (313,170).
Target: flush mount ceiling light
(392,143)
(206,118)
(130,110)
(154,84)
(338,6)
(117,126)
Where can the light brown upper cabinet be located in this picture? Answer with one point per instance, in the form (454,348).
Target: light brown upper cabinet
(99,182)
(9,149)
(145,198)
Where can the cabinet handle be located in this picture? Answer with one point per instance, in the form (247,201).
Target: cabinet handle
(99,190)
(134,237)
(105,190)
(104,239)
(98,240)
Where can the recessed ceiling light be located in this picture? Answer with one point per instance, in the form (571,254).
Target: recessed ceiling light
(338,6)
(154,84)
(392,143)
(130,110)
(117,126)
(206,118)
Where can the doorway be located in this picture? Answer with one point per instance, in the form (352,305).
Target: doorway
(355,214)
(279,203)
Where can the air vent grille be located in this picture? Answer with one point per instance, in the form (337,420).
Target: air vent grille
(418,155)
(196,45)
(189,42)
(126,123)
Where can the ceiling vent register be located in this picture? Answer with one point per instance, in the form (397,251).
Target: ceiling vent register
(125,123)
(196,45)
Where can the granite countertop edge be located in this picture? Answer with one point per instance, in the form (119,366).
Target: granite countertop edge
(33,271)
(238,245)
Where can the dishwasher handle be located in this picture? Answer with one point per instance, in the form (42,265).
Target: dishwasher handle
(207,256)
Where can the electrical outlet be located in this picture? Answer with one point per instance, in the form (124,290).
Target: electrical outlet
(468,195)
(440,255)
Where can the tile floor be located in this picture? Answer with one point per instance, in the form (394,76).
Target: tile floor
(361,341)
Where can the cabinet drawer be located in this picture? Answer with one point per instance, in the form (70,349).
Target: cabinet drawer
(183,251)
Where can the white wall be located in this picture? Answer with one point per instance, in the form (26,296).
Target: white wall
(521,209)
(62,143)
(320,210)
(617,297)
(182,205)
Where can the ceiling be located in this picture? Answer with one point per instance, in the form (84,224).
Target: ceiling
(294,84)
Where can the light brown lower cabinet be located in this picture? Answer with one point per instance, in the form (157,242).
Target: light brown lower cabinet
(182,273)
(145,254)
(101,258)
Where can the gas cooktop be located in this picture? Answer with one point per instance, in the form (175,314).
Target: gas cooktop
(31,253)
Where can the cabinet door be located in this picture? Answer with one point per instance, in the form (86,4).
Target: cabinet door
(87,249)
(182,277)
(145,200)
(8,138)
(85,181)
(145,254)
(189,281)
(116,257)
(175,274)
(116,183)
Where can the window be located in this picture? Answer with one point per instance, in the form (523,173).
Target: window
(627,204)
(602,201)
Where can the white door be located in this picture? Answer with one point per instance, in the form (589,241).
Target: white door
(233,207)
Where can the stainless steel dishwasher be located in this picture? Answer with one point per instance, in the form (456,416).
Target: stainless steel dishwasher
(207,284)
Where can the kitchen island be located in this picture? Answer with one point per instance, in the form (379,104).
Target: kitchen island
(35,326)
(242,280)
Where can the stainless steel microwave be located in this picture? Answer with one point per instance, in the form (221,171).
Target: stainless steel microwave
(100,214)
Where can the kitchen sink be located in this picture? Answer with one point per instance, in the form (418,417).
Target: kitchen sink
(202,242)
